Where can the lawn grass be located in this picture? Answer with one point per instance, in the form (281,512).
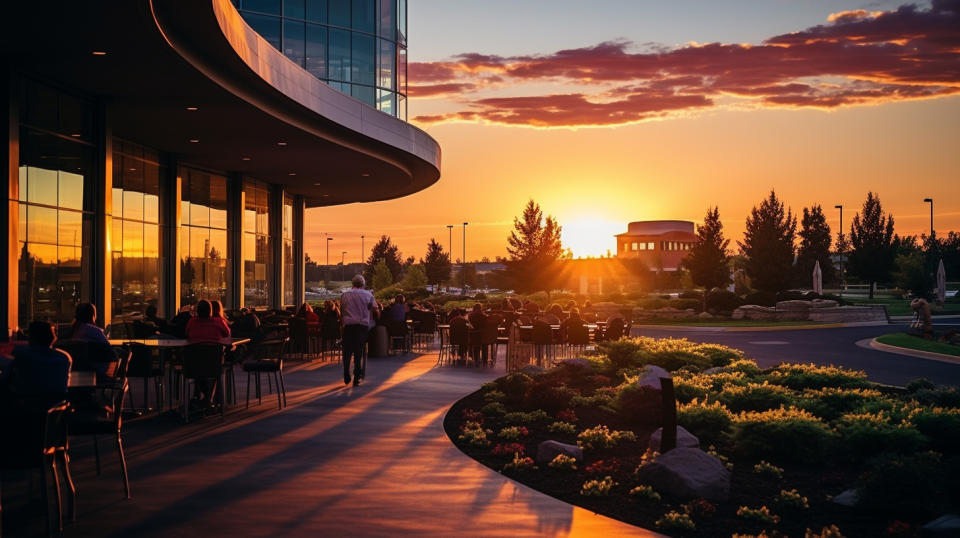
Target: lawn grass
(913,342)
(901,307)
(727,323)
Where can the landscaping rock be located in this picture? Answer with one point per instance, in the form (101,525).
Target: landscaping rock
(577,362)
(548,450)
(685,439)
(532,370)
(849,497)
(689,473)
(823,303)
(715,370)
(946,525)
(752,311)
(650,377)
(705,315)
(794,304)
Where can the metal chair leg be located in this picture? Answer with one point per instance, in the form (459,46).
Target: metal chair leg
(123,466)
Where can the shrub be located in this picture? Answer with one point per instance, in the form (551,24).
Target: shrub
(646,493)
(674,521)
(723,301)
(762,514)
(767,469)
(719,355)
(811,376)
(699,508)
(868,434)
(562,427)
(597,400)
(755,397)
(791,499)
(637,403)
(623,353)
(903,486)
(672,360)
(782,433)
(712,450)
(472,415)
(920,384)
(519,417)
(686,304)
(610,466)
(746,366)
(597,488)
(941,425)
(830,403)
(602,437)
(494,396)
(826,532)
(761,298)
(520,463)
(563,462)
(513,432)
(708,421)
(493,409)
(938,397)
(508,449)
(567,415)
(548,396)
(689,388)
(515,385)
(473,434)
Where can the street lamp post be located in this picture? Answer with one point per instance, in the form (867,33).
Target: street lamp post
(843,281)
(342,256)
(328,259)
(450,244)
(930,201)
(463,261)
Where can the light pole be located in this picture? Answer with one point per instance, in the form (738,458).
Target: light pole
(463,261)
(363,252)
(342,256)
(930,201)
(450,245)
(328,259)
(842,248)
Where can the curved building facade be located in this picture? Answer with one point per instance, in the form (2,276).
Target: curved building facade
(160,152)
(358,47)
(660,244)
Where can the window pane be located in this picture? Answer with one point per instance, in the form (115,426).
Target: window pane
(340,13)
(402,22)
(387,59)
(293,8)
(293,47)
(70,228)
(339,58)
(71,190)
(263,6)
(363,15)
(316,60)
(41,186)
(388,25)
(363,66)
(317,10)
(364,93)
(267,27)
(132,239)
(41,225)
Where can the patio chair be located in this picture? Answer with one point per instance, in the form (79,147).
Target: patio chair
(459,339)
(490,338)
(268,359)
(398,331)
(614,329)
(105,421)
(577,338)
(145,363)
(424,331)
(330,338)
(299,337)
(201,361)
(44,445)
(543,341)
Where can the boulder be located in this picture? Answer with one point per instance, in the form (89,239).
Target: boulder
(650,376)
(685,439)
(688,473)
(705,315)
(532,370)
(823,303)
(794,304)
(548,450)
(946,525)
(752,311)
(576,362)
(848,497)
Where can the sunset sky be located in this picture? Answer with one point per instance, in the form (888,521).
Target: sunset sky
(607,112)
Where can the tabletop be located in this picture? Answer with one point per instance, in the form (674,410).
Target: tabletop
(175,342)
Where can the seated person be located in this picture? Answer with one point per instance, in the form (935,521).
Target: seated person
(306,312)
(178,325)
(396,312)
(573,321)
(149,326)
(38,368)
(248,326)
(204,327)
(84,328)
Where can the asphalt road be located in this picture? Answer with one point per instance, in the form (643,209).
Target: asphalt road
(837,346)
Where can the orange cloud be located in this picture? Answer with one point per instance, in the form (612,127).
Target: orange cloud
(857,58)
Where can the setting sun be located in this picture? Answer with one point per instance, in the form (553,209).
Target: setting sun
(590,237)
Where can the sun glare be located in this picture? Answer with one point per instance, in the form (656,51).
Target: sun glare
(590,237)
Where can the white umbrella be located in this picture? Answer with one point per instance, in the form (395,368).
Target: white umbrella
(941,283)
(817,279)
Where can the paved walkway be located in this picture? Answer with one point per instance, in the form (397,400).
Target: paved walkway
(366,461)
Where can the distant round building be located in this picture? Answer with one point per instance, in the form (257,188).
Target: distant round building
(662,244)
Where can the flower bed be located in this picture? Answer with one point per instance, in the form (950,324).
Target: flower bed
(793,436)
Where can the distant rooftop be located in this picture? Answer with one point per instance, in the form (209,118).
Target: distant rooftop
(658,227)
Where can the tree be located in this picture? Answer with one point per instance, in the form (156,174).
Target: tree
(768,245)
(815,241)
(436,263)
(381,275)
(415,279)
(708,261)
(468,275)
(911,274)
(534,250)
(872,241)
(312,271)
(387,251)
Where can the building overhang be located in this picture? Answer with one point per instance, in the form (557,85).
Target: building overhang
(191,78)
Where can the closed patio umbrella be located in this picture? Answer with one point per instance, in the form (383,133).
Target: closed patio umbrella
(941,283)
(817,279)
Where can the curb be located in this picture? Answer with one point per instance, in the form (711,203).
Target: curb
(897,350)
(766,328)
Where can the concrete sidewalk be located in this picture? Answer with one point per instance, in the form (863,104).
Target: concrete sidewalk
(367,461)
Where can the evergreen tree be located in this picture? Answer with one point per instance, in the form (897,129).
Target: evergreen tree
(387,251)
(815,241)
(872,242)
(415,279)
(768,245)
(382,278)
(534,248)
(708,261)
(468,275)
(436,263)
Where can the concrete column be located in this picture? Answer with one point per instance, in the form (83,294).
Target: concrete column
(170,197)
(236,201)
(9,209)
(276,245)
(100,259)
(299,267)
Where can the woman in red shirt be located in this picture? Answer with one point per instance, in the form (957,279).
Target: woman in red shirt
(205,327)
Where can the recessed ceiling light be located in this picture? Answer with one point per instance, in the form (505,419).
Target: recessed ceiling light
(281,143)
(192,108)
(364,175)
(318,184)
(76,135)
(326,196)
(194,140)
(244,158)
(133,169)
(292,174)
(99,53)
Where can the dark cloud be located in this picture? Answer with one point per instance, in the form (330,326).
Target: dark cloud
(857,58)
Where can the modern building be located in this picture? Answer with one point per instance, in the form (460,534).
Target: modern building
(162,151)
(661,244)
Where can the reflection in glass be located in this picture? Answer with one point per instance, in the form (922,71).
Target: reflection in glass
(257,262)
(316,59)
(293,46)
(204,255)
(267,27)
(288,242)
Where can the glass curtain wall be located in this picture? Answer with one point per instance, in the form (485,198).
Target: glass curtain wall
(204,254)
(358,47)
(257,265)
(288,251)
(135,236)
(55,204)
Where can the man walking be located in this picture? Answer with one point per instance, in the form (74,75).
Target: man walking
(358,310)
